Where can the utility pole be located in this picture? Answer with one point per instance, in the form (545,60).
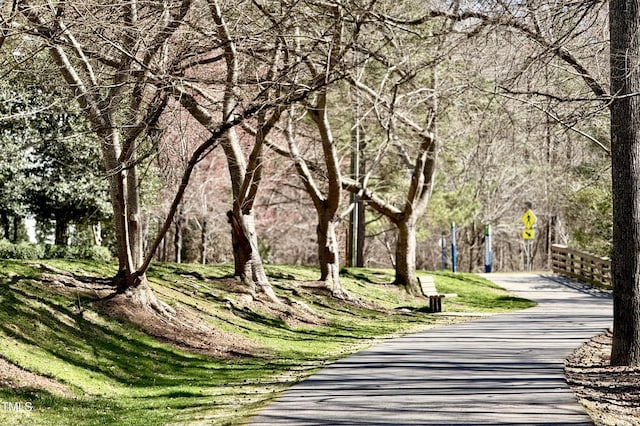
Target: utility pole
(355,255)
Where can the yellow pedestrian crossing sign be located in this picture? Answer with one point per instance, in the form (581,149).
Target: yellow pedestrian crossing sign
(528,219)
(528,234)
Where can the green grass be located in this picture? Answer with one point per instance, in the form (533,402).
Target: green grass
(119,375)
(476,294)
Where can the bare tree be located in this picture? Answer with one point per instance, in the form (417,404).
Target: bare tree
(326,203)
(403,94)
(306,51)
(109,80)
(118,62)
(326,41)
(421,173)
(245,170)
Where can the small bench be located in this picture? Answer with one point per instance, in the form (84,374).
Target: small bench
(428,287)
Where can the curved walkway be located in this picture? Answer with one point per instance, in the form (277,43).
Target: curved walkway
(504,369)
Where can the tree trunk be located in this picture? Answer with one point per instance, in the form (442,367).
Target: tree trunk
(328,253)
(17,223)
(242,249)
(362,233)
(406,256)
(326,207)
(6,226)
(625,158)
(129,281)
(133,215)
(121,226)
(244,238)
(124,194)
(177,240)
(247,260)
(126,276)
(203,241)
(143,296)
(178,234)
(162,255)
(96,230)
(61,235)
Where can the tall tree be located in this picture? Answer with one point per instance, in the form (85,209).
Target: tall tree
(106,55)
(245,170)
(15,136)
(300,51)
(419,157)
(400,87)
(67,185)
(326,202)
(624,27)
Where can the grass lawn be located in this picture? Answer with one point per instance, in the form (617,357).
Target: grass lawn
(79,366)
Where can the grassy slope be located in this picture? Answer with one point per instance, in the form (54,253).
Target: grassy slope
(119,375)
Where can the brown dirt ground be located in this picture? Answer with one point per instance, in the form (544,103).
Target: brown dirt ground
(187,327)
(14,377)
(183,328)
(611,395)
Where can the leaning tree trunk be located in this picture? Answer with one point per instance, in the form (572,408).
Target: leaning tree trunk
(625,158)
(328,253)
(246,256)
(406,256)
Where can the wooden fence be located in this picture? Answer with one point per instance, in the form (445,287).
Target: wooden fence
(582,266)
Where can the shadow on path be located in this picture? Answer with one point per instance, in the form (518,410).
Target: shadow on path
(504,369)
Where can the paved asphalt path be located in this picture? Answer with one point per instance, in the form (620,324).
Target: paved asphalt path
(505,369)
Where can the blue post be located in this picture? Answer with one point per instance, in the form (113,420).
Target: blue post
(488,252)
(453,248)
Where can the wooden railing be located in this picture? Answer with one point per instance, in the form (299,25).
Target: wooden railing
(582,266)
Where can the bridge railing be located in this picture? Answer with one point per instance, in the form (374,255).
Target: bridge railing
(586,267)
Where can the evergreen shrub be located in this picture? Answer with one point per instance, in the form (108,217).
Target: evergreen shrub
(27,251)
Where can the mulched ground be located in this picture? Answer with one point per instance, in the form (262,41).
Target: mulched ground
(611,395)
